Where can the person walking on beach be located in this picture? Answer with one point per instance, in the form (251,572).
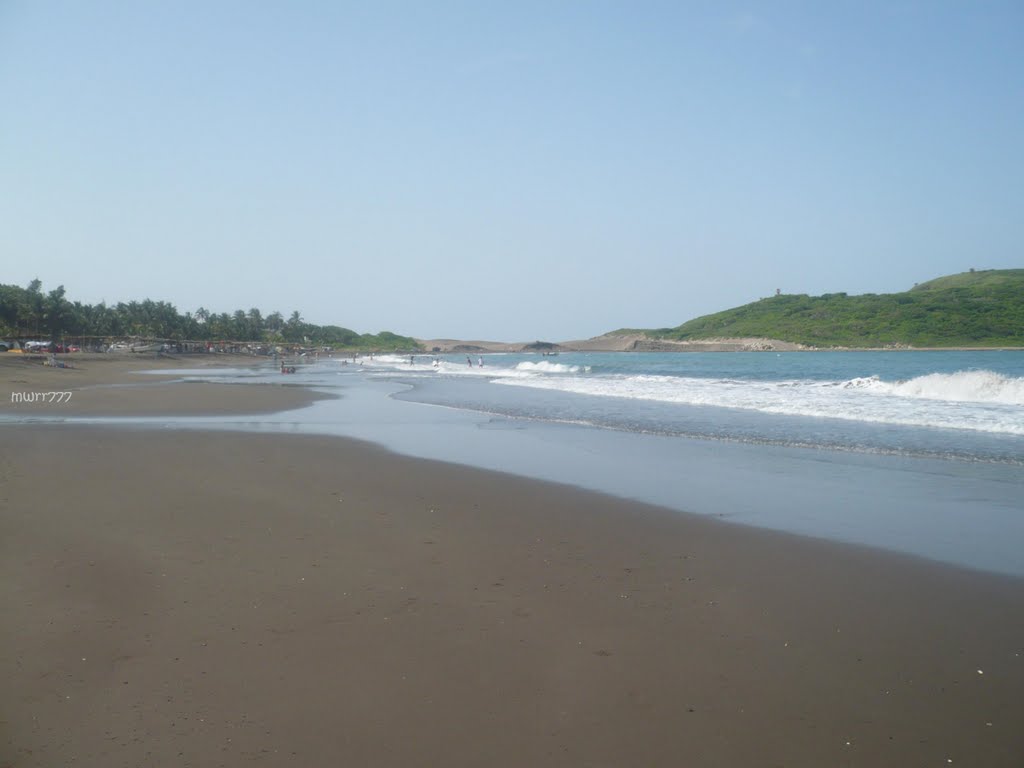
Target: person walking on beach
(469,361)
(481,361)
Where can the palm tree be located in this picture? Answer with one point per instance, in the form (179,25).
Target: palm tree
(255,325)
(239,325)
(35,304)
(56,310)
(274,322)
(293,328)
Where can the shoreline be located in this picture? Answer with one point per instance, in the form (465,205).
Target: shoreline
(729,482)
(638,343)
(177,595)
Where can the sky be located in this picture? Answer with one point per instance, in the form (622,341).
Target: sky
(506,171)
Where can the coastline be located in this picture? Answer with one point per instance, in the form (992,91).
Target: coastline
(110,385)
(173,596)
(642,343)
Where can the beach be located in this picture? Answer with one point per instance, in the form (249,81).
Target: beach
(205,598)
(109,385)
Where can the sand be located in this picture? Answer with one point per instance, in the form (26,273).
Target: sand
(97,386)
(207,599)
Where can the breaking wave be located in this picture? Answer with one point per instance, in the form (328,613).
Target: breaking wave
(959,387)
(547,367)
(973,400)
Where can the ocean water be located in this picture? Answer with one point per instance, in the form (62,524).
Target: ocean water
(965,405)
(916,452)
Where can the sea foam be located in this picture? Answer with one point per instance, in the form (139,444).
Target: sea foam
(546,367)
(973,400)
(964,386)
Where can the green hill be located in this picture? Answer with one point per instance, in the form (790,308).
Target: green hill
(972,309)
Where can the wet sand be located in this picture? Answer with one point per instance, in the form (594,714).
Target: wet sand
(109,385)
(206,599)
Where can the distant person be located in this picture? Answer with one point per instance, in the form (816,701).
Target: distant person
(481,361)
(469,361)
(410,359)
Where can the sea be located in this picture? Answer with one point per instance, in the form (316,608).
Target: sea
(918,452)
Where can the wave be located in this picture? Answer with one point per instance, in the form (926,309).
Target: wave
(972,400)
(960,387)
(547,367)
(459,367)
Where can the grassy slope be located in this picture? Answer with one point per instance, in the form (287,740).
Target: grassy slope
(970,309)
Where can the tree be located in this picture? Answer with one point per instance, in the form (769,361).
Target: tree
(56,311)
(25,311)
(274,322)
(255,324)
(34,305)
(239,325)
(294,329)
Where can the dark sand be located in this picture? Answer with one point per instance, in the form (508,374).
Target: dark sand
(97,387)
(206,599)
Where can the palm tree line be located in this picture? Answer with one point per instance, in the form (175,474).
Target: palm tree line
(31,313)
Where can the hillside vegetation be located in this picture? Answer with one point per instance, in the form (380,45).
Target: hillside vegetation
(972,309)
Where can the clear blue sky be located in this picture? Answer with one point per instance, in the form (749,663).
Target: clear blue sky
(509,171)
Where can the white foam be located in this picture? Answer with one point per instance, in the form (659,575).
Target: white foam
(545,366)
(424,363)
(973,400)
(965,387)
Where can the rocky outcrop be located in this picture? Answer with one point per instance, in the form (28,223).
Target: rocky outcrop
(609,342)
(541,346)
(716,345)
(467,348)
(624,342)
